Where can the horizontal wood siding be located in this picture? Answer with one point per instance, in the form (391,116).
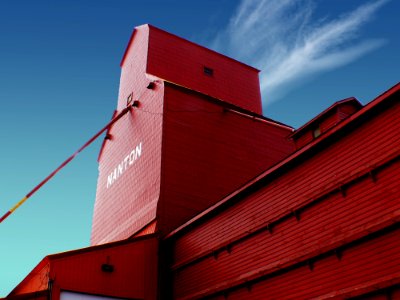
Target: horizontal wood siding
(322,227)
(338,216)
(360,264)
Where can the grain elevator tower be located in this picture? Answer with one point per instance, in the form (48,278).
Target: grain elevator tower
(195,135)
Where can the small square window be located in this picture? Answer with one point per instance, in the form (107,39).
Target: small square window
(316,132)
(208,71)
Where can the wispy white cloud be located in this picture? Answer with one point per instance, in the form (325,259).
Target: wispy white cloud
(289,45)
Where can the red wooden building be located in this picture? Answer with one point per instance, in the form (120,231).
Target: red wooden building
(200,196)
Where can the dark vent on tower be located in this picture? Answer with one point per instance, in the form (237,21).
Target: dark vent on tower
(208,71)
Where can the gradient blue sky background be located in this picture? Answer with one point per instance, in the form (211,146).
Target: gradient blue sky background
(59,76)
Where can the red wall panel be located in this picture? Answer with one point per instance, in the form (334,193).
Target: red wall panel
(333,218)
(208,152)
(193,140)
(359,264)
(179,61)
(134,276)
(129,203)
(327,168)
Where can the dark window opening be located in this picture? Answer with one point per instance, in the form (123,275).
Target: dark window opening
(208,71)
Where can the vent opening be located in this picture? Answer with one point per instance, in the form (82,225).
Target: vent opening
(208,71)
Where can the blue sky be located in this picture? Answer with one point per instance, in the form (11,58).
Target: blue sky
(59,75)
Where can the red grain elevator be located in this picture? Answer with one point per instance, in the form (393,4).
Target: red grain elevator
(201,197)
(195,136)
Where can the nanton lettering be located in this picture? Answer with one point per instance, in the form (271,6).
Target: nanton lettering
(124,165)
